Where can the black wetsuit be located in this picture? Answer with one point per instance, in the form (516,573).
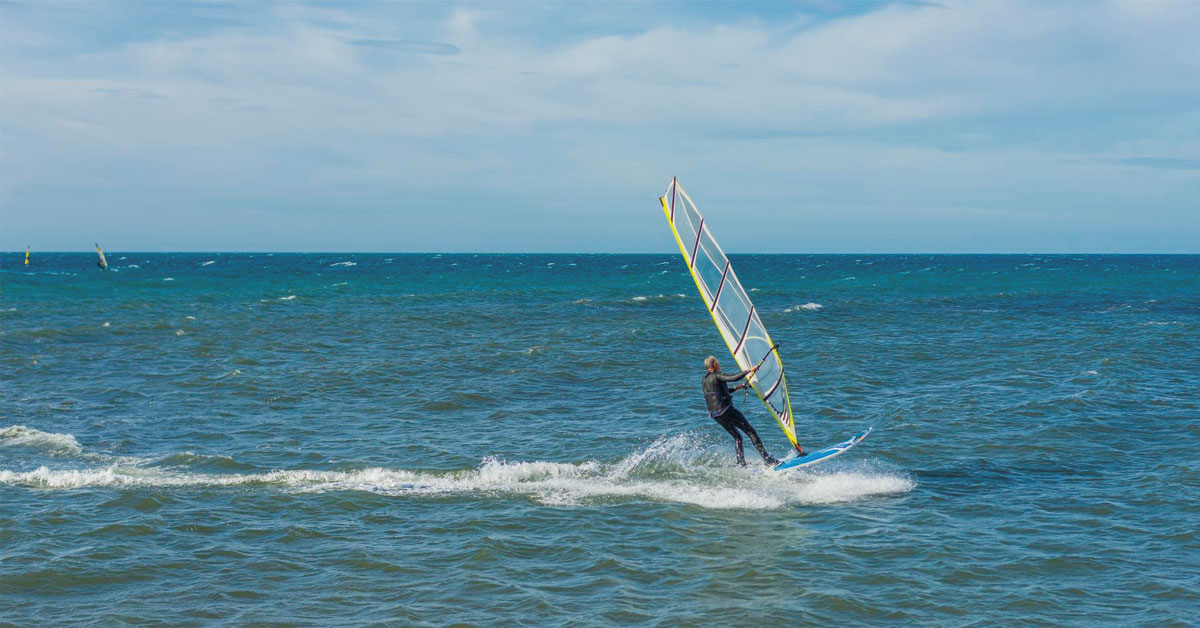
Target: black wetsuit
(720,407)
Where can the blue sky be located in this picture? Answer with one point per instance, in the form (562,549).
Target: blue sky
(797,127)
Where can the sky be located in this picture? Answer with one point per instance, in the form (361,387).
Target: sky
(807,127)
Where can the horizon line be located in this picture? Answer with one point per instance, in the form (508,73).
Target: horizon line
(332,252)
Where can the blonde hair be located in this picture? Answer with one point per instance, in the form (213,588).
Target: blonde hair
(710,363)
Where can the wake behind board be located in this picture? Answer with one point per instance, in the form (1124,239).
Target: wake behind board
(821,455)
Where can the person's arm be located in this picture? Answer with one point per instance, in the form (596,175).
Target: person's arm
(721,377)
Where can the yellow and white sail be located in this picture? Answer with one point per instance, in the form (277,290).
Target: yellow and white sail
(729,305)
(103,263)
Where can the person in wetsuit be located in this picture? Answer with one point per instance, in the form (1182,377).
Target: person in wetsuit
(719,397)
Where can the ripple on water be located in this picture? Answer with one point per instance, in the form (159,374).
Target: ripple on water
(521,440)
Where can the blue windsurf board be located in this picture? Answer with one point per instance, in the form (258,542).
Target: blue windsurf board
(821,455)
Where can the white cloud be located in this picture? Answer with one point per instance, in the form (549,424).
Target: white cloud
(290,107)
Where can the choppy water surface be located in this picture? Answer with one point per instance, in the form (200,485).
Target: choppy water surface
(347,439)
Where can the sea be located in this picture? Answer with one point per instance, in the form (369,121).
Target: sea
(337,439)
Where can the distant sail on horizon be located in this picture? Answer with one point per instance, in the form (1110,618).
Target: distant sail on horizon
(26,256)
(103,263)
(730,306)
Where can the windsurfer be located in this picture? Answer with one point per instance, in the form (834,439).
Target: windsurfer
(718,395)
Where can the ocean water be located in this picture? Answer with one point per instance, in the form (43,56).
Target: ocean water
(520,440)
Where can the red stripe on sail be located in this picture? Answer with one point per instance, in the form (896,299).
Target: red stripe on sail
(695,248)
(719,286)
(744,331)
(674,191)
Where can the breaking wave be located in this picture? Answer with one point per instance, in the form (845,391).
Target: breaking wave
(657,298)
(671,469)
(21,436)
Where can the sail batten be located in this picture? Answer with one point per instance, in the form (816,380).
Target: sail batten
(729,305)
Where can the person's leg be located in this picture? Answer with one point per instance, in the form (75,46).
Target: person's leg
(739,421)
(723,421)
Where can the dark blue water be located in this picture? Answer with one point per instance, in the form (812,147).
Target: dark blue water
(342,439)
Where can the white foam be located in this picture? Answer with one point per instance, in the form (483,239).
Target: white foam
(209,262)
(679,448)
(287,298)
(656,297)
(807,307)
(672,469)
(347,264)
(168,279)
(21,436)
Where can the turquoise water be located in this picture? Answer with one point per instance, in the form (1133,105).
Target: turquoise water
(342,439)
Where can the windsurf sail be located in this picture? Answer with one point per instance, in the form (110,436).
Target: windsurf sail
(26,256)
(103,263)
(730,306)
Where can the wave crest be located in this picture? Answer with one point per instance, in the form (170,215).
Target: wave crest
(671,469)
(21,436)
